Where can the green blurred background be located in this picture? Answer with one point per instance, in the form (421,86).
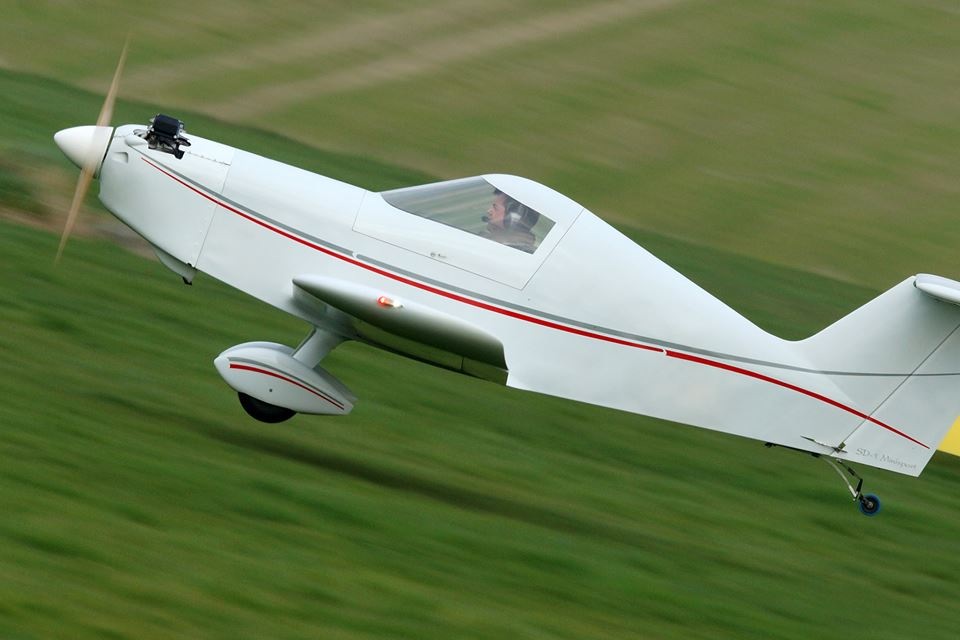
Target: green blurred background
(795,158)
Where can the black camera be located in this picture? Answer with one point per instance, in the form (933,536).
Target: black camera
(166,134)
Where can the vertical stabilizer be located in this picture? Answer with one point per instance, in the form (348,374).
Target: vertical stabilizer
(898,356)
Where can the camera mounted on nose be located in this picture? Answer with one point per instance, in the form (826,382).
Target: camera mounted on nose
(166,134)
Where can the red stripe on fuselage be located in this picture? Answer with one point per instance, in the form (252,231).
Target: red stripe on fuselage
(533,319)
(759,376)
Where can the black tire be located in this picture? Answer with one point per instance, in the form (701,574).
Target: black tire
(869,505)
(264,411)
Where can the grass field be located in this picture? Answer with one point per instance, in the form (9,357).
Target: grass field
(139,501)
(736,143)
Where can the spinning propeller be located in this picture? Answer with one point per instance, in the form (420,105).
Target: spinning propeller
(86,147)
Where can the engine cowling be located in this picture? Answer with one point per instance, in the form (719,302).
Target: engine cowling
(268,372)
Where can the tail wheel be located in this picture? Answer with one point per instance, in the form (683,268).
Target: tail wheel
(869,504)
(264,411)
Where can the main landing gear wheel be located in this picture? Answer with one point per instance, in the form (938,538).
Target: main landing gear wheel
(264,411)
(869,504)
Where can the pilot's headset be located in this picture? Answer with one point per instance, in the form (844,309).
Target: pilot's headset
(518,216)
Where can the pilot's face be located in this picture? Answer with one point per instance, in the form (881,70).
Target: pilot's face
(497,210)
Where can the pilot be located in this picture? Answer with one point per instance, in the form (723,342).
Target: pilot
(510,222)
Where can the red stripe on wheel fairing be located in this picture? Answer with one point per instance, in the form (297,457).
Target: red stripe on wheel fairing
(244,367)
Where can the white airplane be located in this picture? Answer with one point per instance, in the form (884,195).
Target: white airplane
(505,279)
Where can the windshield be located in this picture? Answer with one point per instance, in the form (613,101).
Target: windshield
(475,206)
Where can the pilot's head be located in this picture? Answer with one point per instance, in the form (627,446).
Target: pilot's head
(507,213)
(498,209)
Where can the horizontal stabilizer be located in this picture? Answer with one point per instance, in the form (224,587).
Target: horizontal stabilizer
(392,314)
(938,287)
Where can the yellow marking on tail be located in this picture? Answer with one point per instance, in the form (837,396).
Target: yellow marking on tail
(951,444)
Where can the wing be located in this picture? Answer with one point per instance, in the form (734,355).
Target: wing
(411,328)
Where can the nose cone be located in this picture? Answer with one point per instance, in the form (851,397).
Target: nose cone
(85,146)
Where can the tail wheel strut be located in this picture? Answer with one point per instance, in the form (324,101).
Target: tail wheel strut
(868,503)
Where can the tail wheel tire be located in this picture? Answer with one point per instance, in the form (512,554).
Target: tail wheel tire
(264,411)
(869,505)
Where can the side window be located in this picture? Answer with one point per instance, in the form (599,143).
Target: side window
(475,206)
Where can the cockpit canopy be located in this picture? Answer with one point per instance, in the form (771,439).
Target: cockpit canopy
(497,226)
(476,206)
